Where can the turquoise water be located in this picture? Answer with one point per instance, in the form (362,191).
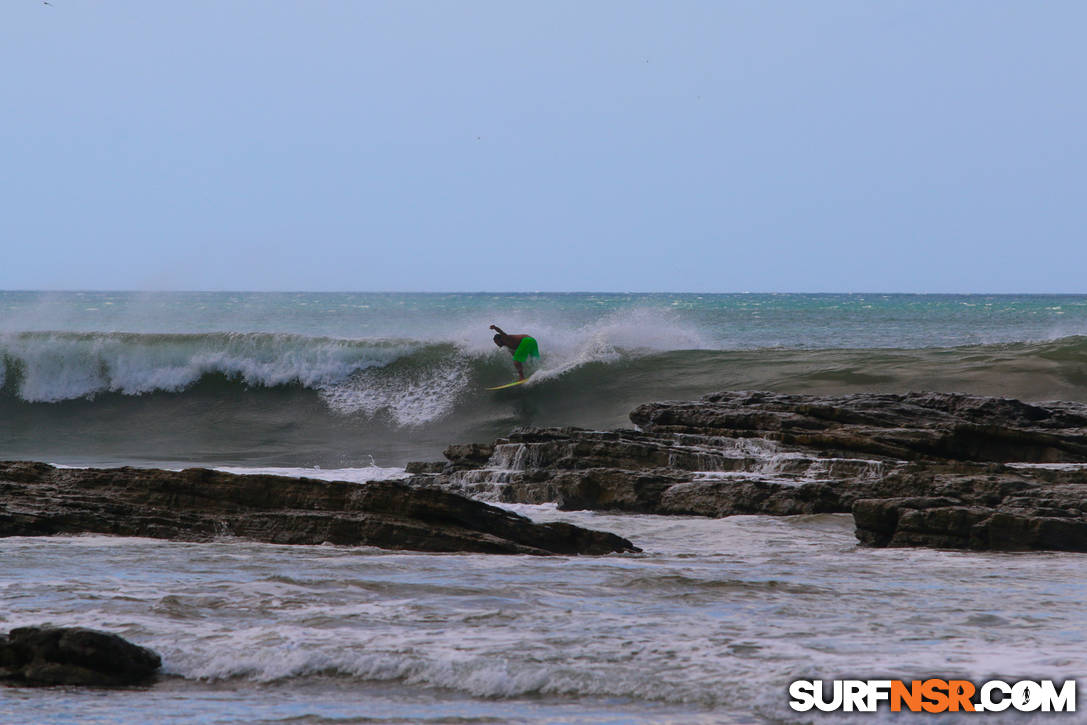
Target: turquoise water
(708,625)
(727,321)
(303,379)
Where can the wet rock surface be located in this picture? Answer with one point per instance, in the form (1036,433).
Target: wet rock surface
(998,509)
(913,426)
(73,656)
(918,469)
(199,504)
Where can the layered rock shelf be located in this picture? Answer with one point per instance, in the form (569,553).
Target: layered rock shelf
(918,469)
(200,504)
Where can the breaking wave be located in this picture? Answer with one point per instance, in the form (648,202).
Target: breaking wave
(44,367)
(315,396)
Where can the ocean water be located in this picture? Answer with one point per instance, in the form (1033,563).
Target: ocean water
(709,624)
(348,380)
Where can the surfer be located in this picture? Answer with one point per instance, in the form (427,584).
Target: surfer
(521,346)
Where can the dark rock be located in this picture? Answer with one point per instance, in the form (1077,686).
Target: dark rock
(913,426)
(199,504)
(468,454)
(1031,518)
(417,467)
(613,489)
(74,656)
(728,498)
(666,474)
(918,469)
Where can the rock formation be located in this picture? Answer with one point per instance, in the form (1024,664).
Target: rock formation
(920,469)
(914,426)
(73,656)
(199,504)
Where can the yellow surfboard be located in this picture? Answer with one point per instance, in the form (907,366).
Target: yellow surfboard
(514,384)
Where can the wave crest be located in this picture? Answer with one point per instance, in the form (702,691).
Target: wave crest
(413,383)
(53,366)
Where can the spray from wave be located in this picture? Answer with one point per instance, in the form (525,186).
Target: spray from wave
(273,399)
(54,366)
(412,381)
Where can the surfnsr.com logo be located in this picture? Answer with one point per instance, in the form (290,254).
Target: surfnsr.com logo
(933,695)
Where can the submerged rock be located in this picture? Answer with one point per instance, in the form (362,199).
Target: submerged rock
(199,504)
(74,656)
(918,469)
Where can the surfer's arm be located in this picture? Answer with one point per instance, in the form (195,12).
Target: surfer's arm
(497,329)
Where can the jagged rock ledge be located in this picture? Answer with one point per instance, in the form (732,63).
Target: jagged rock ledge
(918,469)
(200,504)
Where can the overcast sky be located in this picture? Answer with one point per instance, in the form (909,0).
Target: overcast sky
(598,146)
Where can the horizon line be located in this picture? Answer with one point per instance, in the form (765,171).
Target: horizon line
(533,292)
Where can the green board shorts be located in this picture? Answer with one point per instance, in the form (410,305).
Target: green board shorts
(525,349)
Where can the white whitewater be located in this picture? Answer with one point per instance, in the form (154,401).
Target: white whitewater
(705,626)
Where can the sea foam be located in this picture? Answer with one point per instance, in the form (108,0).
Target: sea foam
(54,366)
